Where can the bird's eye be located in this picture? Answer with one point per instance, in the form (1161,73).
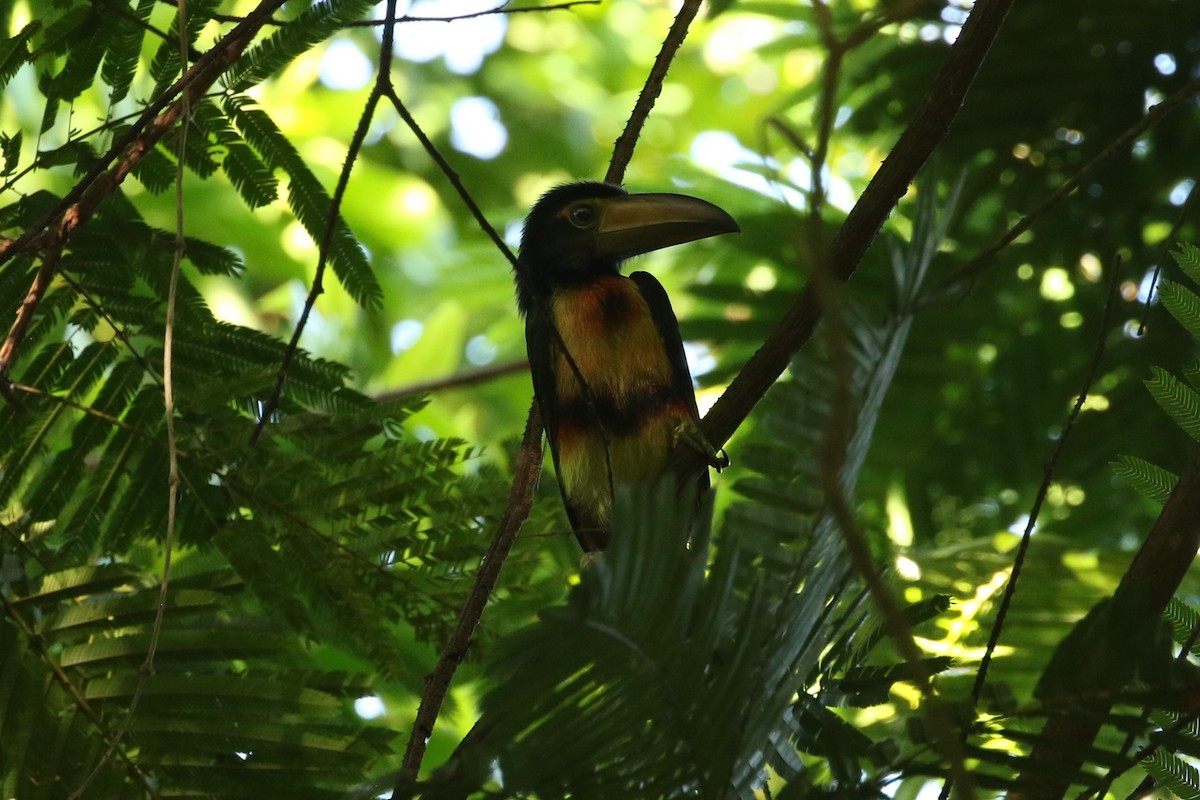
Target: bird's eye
(583,216)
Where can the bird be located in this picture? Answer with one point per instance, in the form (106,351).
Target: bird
(605,351)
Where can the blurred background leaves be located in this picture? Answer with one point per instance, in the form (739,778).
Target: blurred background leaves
(353,531)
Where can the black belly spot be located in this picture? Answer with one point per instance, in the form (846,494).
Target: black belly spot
(614,308)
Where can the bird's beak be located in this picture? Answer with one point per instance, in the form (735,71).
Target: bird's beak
(639,223)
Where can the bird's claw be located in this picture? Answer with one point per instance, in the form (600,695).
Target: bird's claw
(689,433)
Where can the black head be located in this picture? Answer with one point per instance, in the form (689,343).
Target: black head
(582,231)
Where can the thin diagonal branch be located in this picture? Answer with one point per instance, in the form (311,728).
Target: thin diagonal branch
(458,380)
(318,284)
(962,278)
(623,147)
(922,136)
(50,234)
(1169,241)
(1048,471)
(525,479)
(1047,475)
(528,465)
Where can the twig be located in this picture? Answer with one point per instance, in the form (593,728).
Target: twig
(501,9)
(520,500)
(1048,470)
(967,273)
(826,108)
(318,284)
(916,144)
(623,147)
(117,329)
(72,138)
(147,668)
(69,403)
(50,234)
(378,23)
(458,381)
(1168,241)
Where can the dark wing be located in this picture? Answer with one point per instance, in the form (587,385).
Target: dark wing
(668,328)
(539,343)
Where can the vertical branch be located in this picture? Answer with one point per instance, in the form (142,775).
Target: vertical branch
(528,466)
(147,668)
(1047,475)
(627,141)
(520,500)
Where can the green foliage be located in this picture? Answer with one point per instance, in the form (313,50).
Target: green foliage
(1153,483)
(705,672)
(1174,773)
(317,23)
(15,52)
(307,198)
(341,544)
(232,687)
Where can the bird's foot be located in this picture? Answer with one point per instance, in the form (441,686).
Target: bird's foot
(689,433)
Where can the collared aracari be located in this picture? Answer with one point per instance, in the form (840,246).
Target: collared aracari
(619,425)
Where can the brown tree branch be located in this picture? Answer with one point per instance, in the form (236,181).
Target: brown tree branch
(1139,600)
(627,141)
(50,234)
(528,466)
(922,136)
(520,500)
(37,290)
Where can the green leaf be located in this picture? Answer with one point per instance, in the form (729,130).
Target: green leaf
(1183,304)
(1184,621)
(88,44)
(1187,256)
(249,175)
(1150,481)
(317,23)
(309,201)
(124,51)
(1175,774)
(10,151)
(14,53)
(1181,402)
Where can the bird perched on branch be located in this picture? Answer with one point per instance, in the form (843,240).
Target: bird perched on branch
(609,372)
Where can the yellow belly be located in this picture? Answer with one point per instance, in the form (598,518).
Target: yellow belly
(615,345)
